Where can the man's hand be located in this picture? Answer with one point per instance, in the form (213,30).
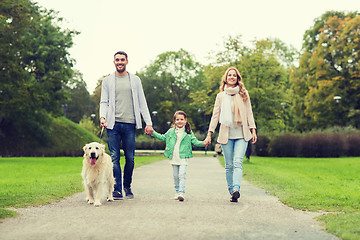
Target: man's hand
(149,130)
(102,123)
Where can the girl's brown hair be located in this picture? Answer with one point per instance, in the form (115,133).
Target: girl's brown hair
(242,90)
(187,125)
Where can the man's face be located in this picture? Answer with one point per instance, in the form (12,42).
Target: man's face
(120,62)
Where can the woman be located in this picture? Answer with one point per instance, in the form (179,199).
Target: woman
(233,110)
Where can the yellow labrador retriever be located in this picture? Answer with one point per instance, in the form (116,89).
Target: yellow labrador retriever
(97,173)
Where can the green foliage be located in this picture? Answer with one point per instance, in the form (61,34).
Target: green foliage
(147,142)
(267,82)
(35,65)
(329,67)
(65,138)
(206,95)
(88,124)
(80,102)
(311,37)
(168,81)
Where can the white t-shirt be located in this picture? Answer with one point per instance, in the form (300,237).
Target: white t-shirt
(176,160)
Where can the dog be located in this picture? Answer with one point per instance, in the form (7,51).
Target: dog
(97,173)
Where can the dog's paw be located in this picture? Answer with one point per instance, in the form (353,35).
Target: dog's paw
(97,204)
(90,201)
(110,199)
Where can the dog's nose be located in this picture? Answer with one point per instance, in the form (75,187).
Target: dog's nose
(93,155)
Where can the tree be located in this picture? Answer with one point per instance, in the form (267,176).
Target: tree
(329,67)
(267,81)
(35,65)
(167,84)
(312,36)
(80,102)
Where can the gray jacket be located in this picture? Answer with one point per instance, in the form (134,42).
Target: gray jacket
(107,101)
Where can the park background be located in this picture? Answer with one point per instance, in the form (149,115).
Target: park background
(305,99)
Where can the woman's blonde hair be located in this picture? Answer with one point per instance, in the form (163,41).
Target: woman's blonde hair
(242,90)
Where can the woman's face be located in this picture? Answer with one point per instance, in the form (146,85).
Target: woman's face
(180,120)
(231,78)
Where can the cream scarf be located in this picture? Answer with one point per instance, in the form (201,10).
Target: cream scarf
(230,109)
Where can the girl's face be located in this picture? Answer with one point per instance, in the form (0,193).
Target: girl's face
(180,120)
(231,78)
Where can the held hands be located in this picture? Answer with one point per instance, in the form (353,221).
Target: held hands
(149,130)
(207,140)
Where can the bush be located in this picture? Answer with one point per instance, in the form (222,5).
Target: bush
(65,138)
(321,145)
(352,145)
(262,146)
(146,142)
(333,142)
(286,145)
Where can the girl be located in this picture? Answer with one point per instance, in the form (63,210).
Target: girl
(178,149)
(233,110)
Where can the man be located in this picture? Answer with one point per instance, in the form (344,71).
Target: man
(121,103)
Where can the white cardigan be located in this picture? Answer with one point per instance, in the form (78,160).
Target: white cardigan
(107,101)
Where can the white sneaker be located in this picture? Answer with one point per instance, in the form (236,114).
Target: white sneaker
(176,197)
(181,197)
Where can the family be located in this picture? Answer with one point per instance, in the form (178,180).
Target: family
(123,102)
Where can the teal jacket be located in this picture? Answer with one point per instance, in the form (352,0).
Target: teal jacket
(185,150)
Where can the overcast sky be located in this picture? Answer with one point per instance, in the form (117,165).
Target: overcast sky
(147,28)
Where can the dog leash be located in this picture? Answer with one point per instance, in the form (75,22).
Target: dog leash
(101,133)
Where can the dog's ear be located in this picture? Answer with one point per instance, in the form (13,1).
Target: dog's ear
(84,148)
(102,147)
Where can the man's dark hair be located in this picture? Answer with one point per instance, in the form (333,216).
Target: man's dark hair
(121,53)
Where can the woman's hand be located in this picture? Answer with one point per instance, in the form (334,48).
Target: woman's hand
(207,140)
(254,137)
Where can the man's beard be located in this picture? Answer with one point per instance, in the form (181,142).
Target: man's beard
(121,70)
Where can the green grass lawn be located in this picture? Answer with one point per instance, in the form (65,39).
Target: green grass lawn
(329,185)
(37,181)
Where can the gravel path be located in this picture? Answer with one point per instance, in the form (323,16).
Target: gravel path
(206,212)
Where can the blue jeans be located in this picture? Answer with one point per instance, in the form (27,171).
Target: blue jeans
(179,173)
(122,133)
(234,152)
